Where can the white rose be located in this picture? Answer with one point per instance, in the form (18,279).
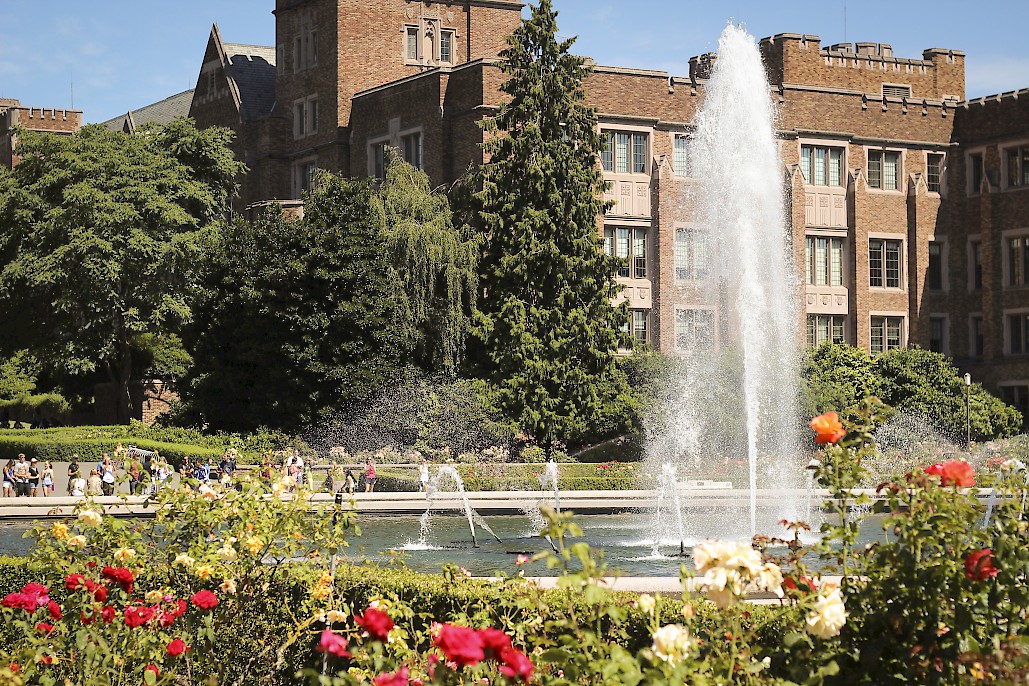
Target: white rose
(672,642)
(769,579)
(228,586)
(828,616)
(90,518)
(646,603)
(184,560)
(228,553)
(123,555)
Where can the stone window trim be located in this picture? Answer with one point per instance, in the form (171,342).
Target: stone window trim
(974,350)
(901,180)
(1007,281)
(1007,316)
(1007,183)
(680,171)
(424,30)
(829,270)
(306,117)
(305,42)
(942,181)
(897,90)
(692,254)
(395,141)
(682,315)
(892,314)
(303,167)
(944,264)
(617,127)
(971,242)
(902,237)
(971,154)
(836,328)
(808,171)
(944,318)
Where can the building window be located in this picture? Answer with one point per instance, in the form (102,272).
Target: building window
(975,172)
(1018,330)
(1017,166)
(938,334)
(303,177)
(639,325)
(212,83)
(312,115)
(412,146)
(821,165)
(934,172)
(935,276)
(884,170)
(682,155)
(379,160)
(893,90)
(824,263)
(412,43)
(299,119)
(625,153)
(691,254)
(976,331)
(1017,397)
(1018,261)
(887,334)
(975,250)
(446,47)
(305,45)
(884,263)
(694,329)
(824,328)
(629,246)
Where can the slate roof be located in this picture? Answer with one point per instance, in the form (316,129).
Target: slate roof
(252,67)
(158,113)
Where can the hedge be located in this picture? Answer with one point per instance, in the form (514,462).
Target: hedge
(45,444)
(431,596)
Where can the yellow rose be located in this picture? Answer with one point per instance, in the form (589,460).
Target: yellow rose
(184,560)
(78,541)
(59,531)
(228,586)
(335,617)
(90,518)
(204,572)
(154,597)
(320,592)
(123,555)
(254,545)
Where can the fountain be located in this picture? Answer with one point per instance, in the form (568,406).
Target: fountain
(740,335)
(668,493)
(434,488)
(550,477)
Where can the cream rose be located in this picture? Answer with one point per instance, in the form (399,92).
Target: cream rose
(78,541)
(228,553)
(672,643)
(829,614)
(123,555)
(646,603)
(184,560)
(228,586)
(90,518)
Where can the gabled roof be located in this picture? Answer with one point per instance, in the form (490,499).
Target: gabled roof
(252,67)
(158,113)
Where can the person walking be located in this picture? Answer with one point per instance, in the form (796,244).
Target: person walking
(21,476)
(135,476)
(9,479)
(48,478)
(107,474)
(73,471)
(423,476)
(350,483)
(77,486)
(369,475)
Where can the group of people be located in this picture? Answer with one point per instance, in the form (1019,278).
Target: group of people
(24,478)
(343,480)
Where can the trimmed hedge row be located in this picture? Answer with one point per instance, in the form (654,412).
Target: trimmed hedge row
(44,445)
(403,480)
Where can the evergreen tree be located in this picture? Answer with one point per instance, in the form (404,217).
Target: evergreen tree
(435,261)
(547,326)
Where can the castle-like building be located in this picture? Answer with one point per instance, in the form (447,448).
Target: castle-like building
(909,203)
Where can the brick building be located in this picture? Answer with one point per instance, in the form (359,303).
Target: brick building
(14,114)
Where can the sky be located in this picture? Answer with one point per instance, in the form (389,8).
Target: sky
(108,56)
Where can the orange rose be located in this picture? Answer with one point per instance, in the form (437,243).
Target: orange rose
(828,428)
(954,473)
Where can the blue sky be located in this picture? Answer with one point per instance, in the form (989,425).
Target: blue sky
(122,55)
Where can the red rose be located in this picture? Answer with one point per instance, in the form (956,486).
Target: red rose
(180,608)
(459,644)
(91,564)
(494,641)
(516,665)
(138,616)
(954,473)
(166,620)
(46,660)
(45,628)
(177,647)
(979,565)
(376,622)
(87,619)
(205,600)
(100,594)
(333,644)
(152,668)
(828,428)
(74,582)
(55,610)
(19,601)
(119,575)
(108,614)
(399,678)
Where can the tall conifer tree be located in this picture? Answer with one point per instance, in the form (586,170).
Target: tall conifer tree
(548,329)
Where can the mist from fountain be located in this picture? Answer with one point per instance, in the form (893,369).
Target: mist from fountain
(433,489)
(735,391)
(668,499)
(550,477)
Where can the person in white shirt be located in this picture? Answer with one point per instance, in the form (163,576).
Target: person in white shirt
(78,487)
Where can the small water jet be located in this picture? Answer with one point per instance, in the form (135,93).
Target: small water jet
(434,488)
(668,496)
(550,477)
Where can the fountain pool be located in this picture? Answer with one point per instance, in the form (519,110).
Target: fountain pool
(628,548)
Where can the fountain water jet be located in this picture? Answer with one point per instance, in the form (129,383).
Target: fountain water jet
(668,492)
(740,335)
(446,471)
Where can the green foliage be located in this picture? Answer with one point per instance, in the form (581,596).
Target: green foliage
(18,375)
(920,382)
(300,317)
(546,325)
(520,477)
(435,261)
(101,232)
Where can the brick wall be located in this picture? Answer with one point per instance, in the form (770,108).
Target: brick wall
(48,120)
